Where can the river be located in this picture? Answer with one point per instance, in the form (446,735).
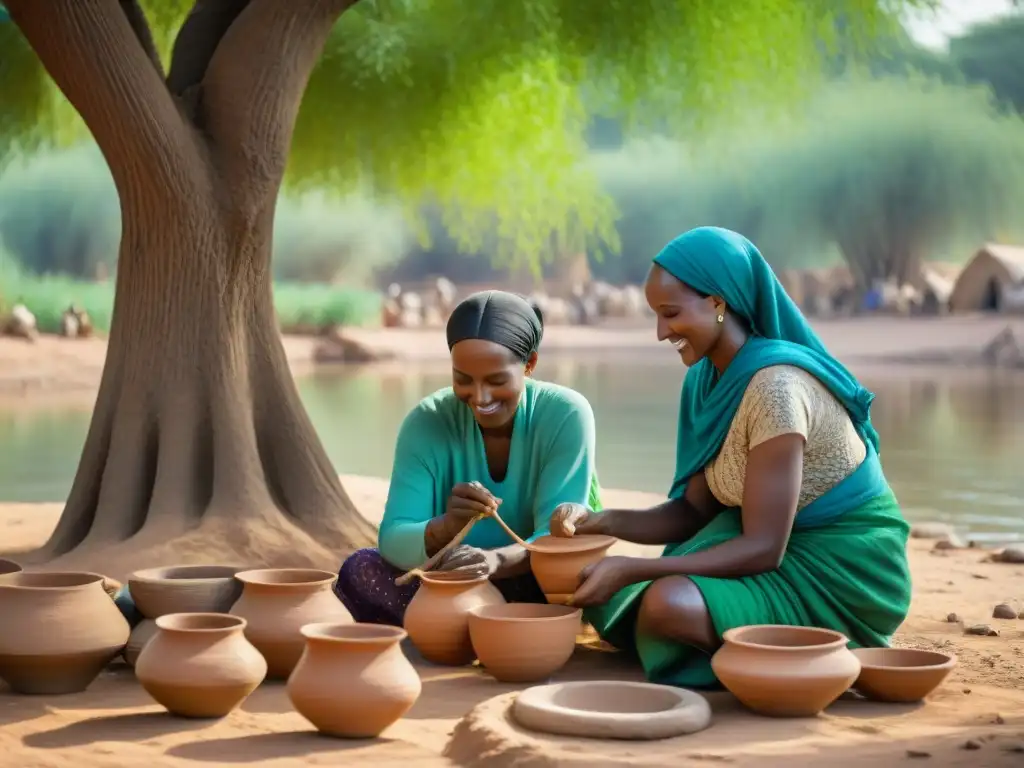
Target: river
(951,441)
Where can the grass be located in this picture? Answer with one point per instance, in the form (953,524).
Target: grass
(299,306)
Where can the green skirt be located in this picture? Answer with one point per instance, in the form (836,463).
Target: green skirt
(852,576)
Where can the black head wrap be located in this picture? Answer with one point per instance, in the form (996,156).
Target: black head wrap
(501,317)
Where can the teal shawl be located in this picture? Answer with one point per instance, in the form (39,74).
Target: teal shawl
(719,262)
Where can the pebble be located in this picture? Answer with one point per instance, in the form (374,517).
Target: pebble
(1011,555)
(971,744)
(918,753)
(1015,748)
(999,720)
(1004,611)
(953,618)
(932,531)
(952,542)
(984,630)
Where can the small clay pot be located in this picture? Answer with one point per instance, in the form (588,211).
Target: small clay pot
(141,634)
(437,618)
(599,709)
(57,632)
(524,642)
(901,675)
(353,680)
(557,562)
(158,592)
(784,671)
(277,603)
(200,664)
(8,566)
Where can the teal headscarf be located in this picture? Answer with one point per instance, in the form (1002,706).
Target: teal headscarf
(719,262)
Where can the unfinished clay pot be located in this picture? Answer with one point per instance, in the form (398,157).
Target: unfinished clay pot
(612,710)
(57,631)
(557,562)
(353,680)
(200,664)
(8,566)
(437,618)
(785,671)
(523,642)
(157,592)
(277,603)
(902,675)
(141,634)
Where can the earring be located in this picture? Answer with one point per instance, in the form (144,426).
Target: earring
(721,318)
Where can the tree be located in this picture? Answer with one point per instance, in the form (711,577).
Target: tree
(198,441)
(993,54)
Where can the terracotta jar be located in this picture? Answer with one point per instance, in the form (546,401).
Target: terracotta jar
(157,592)
(524,642)
(141,634)
(785,671)
(437,618)
(276,603)
(200,664)
(353,680)
(57,631)
(557,561)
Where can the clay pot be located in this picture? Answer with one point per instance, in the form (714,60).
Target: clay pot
(524,642)
(557,562)
(141,634)
(277,603)
(57,632)
(8,566)
(200,664)
(785,671)
(902,675)
(353,680)
(157,592)
(612,710)
(437,618)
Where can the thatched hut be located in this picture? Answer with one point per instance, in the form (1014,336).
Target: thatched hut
(992,281)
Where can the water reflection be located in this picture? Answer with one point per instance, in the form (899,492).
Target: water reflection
(951,441)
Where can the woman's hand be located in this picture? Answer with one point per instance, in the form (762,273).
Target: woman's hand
(570,519)
(600,580)
(468,500)
(471,561)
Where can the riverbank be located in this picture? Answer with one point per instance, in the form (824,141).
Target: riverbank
(977,718)
(55,366)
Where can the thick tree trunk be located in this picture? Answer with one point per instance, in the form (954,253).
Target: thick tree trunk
(199,449)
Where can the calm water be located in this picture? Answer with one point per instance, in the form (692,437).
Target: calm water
(951,444)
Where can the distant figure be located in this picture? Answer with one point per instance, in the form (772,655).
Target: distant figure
(75,323)
(21,324)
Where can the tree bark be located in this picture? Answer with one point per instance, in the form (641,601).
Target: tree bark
(199,448)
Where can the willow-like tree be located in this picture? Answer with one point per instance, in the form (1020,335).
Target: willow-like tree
(198,440)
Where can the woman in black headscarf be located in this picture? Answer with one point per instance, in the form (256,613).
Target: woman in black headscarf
(496,437)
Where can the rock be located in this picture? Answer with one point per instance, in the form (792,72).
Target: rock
(1017,749)
(999,720)
(979,576)
(953,542)
(336,347)
(932,531)
(953,618)
(971,744)
(1004,611)
(982,630)
(917,753)
(1014,555)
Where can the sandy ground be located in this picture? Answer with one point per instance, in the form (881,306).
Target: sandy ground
(976,719)
(55,366)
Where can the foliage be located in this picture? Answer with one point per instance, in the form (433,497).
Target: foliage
(59,215)
(477,104)
(993,54)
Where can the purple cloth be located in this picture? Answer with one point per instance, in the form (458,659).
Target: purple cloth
(366,585)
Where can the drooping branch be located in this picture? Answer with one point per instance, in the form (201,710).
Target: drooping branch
(91,52)
(137,19)
(254,85)
(197,41)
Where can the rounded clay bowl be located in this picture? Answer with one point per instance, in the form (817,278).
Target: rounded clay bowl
(556,561)
(184,589)
(523,642)
(901,675)
(8,566)
(612,710)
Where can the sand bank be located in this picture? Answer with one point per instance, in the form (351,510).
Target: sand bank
(114,724)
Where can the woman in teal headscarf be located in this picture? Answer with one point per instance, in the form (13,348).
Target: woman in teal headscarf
(779,512)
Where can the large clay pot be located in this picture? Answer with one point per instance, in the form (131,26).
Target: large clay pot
(785,671)
(557,561)
(524,642)
(277,603)
(200,664)
(57,631)
(353,680)
(157,592)
(437,618)
(8,566)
